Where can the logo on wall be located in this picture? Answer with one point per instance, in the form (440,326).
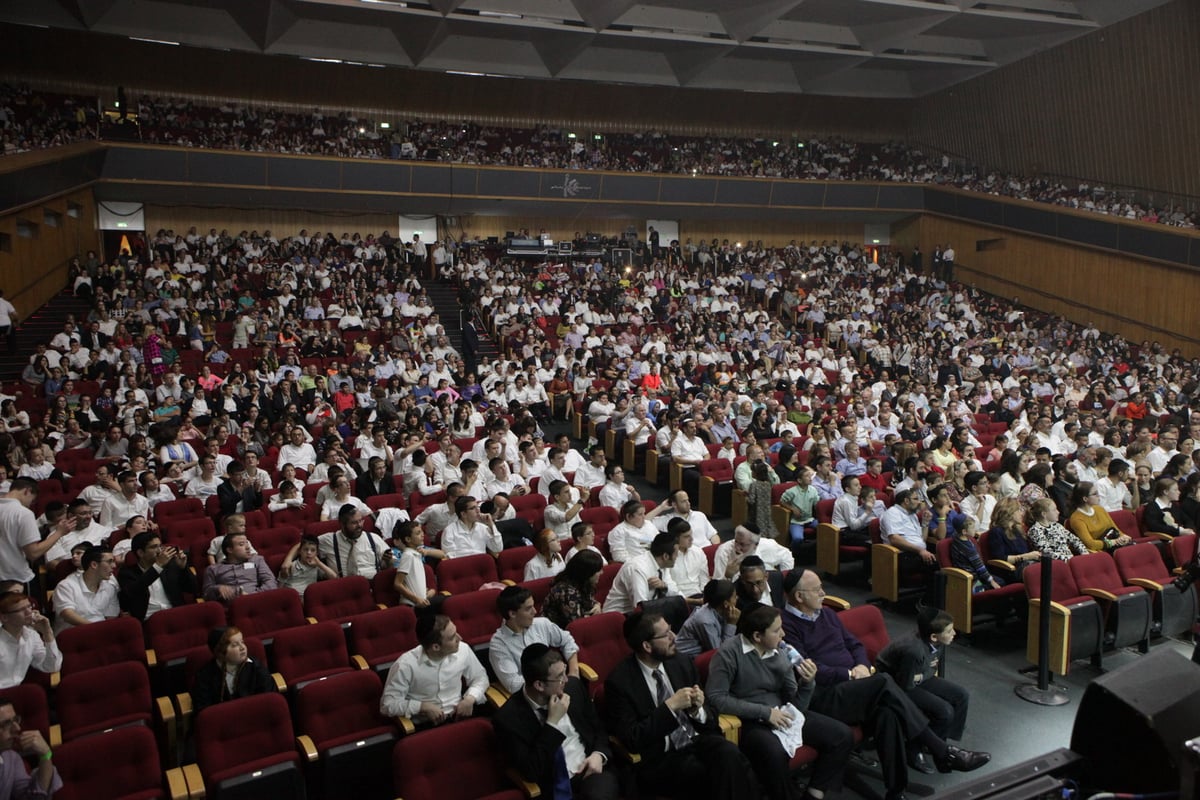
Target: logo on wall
(571,187)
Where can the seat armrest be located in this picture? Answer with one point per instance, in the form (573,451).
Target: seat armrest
(195,782)
(619,748)
(497,695)
(528,788)
(306,747)
(359,662)
(1145,583)
(588,674)
(280,683)
(176,784)
(55,735)
(836,603)
(311,620)
(406,725)
(151,657)
(1001,564)
(1099,594)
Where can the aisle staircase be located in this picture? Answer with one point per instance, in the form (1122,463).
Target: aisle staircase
(444,297)
(39,328)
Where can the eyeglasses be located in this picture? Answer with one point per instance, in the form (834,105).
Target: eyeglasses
(668,635)
(560,679)
(21,610)
(10,723)
(819,591)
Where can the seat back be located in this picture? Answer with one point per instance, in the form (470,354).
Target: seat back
(943,552)
(1096,571)
(226,746)
(539,589)
(379,502)
(274,542)
(422,771)
(337,599)
(778,489)
(1062,583)
(262,614)
(867,625)
(121,763)
(719,469)
(466,574)
(597,514)
(824,511)
(169,510)
(1141,561)
(474,614)
(183,532)
(30,703)
(1183,550)
(382,636)
(344,706)
(310,652)
(105,697)
(607,576)
(601,641)
(102,643)
(511,563)
(173,631)
(1127,522)
(702,663)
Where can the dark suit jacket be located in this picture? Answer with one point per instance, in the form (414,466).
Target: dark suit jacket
(364,487)
(529,746)
(135,587)
(904,659)
(229,497)
(208,687)
(634,714)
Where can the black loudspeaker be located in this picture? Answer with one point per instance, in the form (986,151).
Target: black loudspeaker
(1133,722)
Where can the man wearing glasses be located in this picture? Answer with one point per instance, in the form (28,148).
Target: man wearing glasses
(15,743)
(849,692)
(471,533)
(26,639)
(89,595)
(550,733)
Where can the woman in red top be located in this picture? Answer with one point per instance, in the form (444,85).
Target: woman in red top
(1135,409)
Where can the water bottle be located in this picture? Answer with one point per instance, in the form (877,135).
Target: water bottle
(791,654)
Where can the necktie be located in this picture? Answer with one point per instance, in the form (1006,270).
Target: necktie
(659,593)
(351,564)
(562,778)
(682,735)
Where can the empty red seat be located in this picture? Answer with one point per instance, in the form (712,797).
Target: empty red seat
(475,615)
(467,573)
(263,614)
(379,638)
(237,759)
(121,764)
(310,653)
(511,563)
(421,770)
(99,699)
(102,643)
(338,599)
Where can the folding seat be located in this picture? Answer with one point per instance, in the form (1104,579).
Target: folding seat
(344,738)
(607,575)
(614,442)
(114,696)
(510,564)
(30,703)
(310,490)
(531,508)
(1129,523)
(600,514)
(256,519)
(183,532)
(418,502)
(538,588)
(1076,620)
(379,638)
(339,600)
(295,517)
(240,761)
(273,543)
(263,614)
(967,606)
(174,632)
(381,501)
(466,574)
(888,580)
(1183,550)
(475,616)
(1142,565)
(866,623)
(102,643)
(421,770)
(195,659)
(188,507)
(716,485)
(602,646)
(318,528)
(780,514)
(1128,610)
(310,653)
(121,764)
(832,553)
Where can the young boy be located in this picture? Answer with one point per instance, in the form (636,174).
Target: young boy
(410,567)
(307,569)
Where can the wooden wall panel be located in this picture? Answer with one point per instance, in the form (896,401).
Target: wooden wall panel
(1136,298)
(93,62)
(35,267)
(1119,106)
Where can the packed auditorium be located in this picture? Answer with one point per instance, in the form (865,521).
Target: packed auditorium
(597,399)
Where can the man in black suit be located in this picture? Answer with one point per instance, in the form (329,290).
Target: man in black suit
(656,706)
(157,581)
(376,480)
(236,494)
(550,734)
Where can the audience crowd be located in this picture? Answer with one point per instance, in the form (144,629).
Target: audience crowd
(301,377)
(34,120)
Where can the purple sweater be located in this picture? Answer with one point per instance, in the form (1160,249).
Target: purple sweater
(827,642)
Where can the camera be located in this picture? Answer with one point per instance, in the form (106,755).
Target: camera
(1190,573)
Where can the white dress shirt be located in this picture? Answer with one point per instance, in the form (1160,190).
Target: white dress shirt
(19,653)
(632,584)
(416,678)
(459,540)
(72,593)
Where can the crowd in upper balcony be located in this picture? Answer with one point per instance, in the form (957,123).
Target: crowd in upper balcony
(34,120)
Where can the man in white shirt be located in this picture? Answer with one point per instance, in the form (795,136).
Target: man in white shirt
(901,528)
(426,684)
(21,542)
(299,453)
(86,530)
(471,533)
(351,551)
(1165,450)
(979,503)
(521,628)
(117,509)
(690,571)
(435,518)
(681,508)
(645,577)
(89,595)
(688,450)
(1113,488)
(746,541)
(26,640)
(590,475)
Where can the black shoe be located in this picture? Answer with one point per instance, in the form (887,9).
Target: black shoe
(959,760)
(920,763)
(895,796)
